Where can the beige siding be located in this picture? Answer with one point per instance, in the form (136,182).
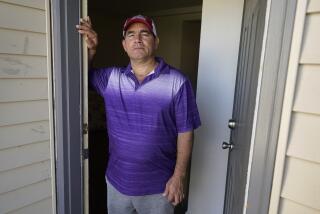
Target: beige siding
(23,89)
(296,187)
(25,155)
(310,52)
(314,6)
(301,182)
(31,20)
(308,89)
(22,66)
(37,207)
(13,113)
(23,43)
(37,4)
(25,175)
(28,133)
(303,143)
(288,206)
(25,196)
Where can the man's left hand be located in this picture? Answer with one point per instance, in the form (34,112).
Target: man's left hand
(174,190)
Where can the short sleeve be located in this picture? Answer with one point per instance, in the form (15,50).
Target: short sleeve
(186,110)
(98,79)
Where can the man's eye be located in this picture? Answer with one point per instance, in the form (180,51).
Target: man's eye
(130,35)
(145,34)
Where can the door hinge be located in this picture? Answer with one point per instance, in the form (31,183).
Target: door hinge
(85,154)
(85,128)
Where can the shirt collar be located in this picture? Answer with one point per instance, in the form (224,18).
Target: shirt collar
(152,72)
(162,67)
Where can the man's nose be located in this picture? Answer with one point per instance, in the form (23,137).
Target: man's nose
(138,37)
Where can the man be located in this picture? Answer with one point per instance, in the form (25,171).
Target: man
(151,114)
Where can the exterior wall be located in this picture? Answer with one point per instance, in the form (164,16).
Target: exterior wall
(296,186)
(25,163)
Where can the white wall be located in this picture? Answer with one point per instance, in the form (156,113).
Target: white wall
(220,36)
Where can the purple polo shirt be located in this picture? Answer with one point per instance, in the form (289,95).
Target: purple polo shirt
(143,123)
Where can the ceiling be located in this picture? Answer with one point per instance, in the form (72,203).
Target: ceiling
(138,6)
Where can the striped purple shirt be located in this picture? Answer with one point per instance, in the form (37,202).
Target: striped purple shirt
(143,121)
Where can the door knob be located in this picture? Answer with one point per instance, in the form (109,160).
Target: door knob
(232,124)
(226,145)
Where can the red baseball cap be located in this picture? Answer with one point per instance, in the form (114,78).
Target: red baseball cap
(141,19)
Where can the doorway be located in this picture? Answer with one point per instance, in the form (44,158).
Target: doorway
(178,26)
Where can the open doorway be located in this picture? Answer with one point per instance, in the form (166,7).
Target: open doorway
(178,26)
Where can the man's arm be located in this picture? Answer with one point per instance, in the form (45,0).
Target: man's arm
(91,37)
(175,186)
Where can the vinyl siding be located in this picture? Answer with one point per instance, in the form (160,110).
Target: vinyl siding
(25,154)
(299,187)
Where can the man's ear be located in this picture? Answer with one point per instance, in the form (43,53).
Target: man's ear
(157,40)
(124,45)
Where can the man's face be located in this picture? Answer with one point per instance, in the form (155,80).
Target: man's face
(139,42)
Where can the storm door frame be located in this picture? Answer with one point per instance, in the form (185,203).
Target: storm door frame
(68,107)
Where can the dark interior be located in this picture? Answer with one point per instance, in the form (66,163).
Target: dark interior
(179,48)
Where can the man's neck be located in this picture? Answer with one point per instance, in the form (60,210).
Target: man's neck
(142,68)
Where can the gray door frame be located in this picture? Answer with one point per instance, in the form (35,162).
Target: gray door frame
(272,85)
(67,104)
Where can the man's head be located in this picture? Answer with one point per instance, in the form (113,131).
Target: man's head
(140,19)
(140,38)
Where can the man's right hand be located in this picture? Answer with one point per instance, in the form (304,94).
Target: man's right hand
(91,37)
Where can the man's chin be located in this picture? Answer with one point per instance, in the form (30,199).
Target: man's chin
(139,57)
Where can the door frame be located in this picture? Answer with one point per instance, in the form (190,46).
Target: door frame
(272,78)
(68,109)
(67,52)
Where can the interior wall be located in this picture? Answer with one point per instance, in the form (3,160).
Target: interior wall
(168,27)
(190,50)
(219,44)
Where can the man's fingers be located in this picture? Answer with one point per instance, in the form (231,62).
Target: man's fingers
(91,34)
(84,27)
(176,200)
(181,198)
(171,197)
(166,191)
(90,43)
(85,22)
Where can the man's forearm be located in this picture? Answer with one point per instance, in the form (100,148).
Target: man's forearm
(184,149)
(91,54)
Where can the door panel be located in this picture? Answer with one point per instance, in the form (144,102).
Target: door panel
(244,104)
